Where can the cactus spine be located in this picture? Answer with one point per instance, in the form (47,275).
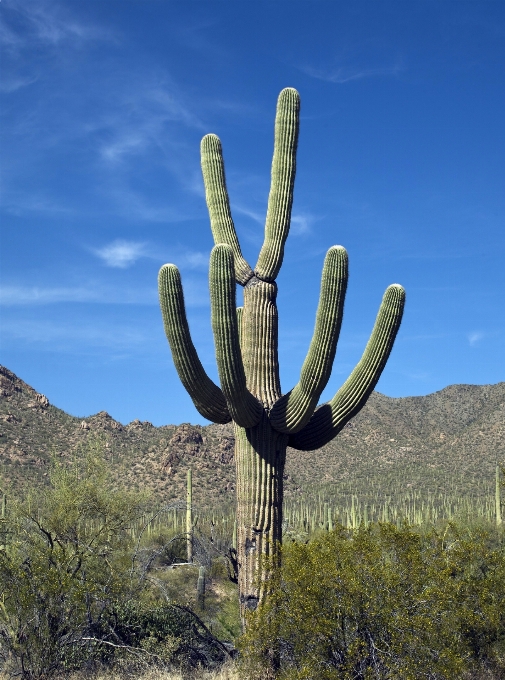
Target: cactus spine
(265,420)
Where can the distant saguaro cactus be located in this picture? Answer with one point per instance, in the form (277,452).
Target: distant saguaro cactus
(200,588)
(266,421)
(189,516)
(498,497)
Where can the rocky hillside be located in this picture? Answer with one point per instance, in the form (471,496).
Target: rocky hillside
(447,441)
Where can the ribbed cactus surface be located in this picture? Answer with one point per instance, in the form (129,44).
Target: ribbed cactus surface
(266,420)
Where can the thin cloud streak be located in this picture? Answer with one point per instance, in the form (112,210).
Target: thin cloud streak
(345,74)
(300,222)
(186,259)
(74,338)
(244,210)
(195,290)
(143,115)
(46,23)
(140,121)
(13,296)
(9,85)
(475,337)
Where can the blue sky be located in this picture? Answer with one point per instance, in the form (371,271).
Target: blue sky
(401,160)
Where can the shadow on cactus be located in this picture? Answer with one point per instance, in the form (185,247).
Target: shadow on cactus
(267,421)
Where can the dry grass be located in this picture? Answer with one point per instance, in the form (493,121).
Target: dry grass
(226,672)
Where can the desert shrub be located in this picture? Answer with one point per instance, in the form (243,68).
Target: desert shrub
(74,584)
(382,602)
(168,633)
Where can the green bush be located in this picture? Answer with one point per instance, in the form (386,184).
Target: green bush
(74,584)
(382,602)
(168,633)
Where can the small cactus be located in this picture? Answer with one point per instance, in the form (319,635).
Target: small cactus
(330,519)
(266,420)
(498,497)
(189,516)
(200,588)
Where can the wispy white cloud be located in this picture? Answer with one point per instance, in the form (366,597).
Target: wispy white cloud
(475,337)
(301,223)
(344,74)
(248,212)
(24,295)
(44,295)
(74,338)
(419,375)
(138,118)
(196,292)
(17,202)
(124,200)
(194,260)
(129,142)
(121,254)
(9,37)
(8,85)
(50,23)
(143,115)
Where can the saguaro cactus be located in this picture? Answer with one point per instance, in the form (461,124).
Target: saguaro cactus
(200,587)
(498,497)
(189,516)
(266,421)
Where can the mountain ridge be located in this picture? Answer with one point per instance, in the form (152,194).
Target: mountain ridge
(449,440)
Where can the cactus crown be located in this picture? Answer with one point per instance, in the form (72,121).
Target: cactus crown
(246,340)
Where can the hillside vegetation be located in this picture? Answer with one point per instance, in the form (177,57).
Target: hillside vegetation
(438,450)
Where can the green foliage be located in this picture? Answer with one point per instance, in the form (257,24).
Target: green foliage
(67,553)
(74,580)
(167,633)
(383,602)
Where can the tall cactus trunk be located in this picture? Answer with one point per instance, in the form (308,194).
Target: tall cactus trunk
(260,454)
(260,451)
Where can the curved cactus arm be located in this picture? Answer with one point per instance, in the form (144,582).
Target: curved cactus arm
(294,410)
(244,408)
(280,199)
(218,203)
(330,418)
(206,396)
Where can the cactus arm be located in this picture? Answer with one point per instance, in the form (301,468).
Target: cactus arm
(294,410)
(206,396)
(244,408)
(280,199)
(330,418)
(218,203)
